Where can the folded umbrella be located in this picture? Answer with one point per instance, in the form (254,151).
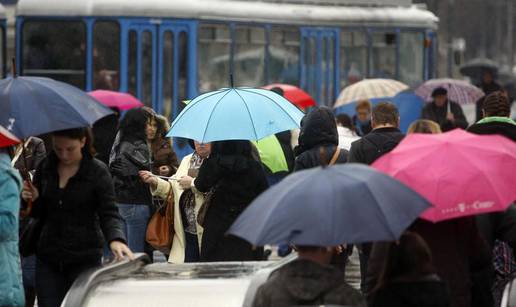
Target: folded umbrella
(460,173)
(294,94)
(7,138)
(347,203)
(235,114)
(112,99)
(31,106)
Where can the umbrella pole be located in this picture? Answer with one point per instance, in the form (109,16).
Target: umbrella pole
(26,177)
(13,68)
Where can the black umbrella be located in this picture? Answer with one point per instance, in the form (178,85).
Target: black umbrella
(476,67)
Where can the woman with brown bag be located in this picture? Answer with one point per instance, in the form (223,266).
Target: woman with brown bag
(187,201)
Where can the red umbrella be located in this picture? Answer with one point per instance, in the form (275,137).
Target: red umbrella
(294,94)
(112,99)
(7,138)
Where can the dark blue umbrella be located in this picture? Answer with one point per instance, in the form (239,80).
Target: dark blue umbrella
(32,106)
(348,203)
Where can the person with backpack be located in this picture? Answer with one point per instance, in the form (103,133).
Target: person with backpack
(386,135)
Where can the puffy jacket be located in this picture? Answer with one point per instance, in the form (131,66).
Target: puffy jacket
(11,289)
(318,132)
(372,146)
(130,158)
(78,219)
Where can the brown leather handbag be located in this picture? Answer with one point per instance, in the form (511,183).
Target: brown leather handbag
(160,230)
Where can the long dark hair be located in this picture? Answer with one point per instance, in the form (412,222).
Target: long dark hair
(133,124)
(408,259)
(78,134)
(232,147)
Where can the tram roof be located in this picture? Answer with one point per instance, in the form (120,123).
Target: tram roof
(237,10)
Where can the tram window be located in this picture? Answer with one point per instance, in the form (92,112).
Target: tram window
(353,57)
(331,71)
(106,55)
(168,73)
(383,58)
(324,75)
(411,57)
(214,48)
(249,57)
(2,51)
(183,60)
(55,49)
(284,56)
(146,85)
(133,57)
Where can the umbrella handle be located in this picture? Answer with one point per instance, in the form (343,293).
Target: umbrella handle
(28,210)
(26,175)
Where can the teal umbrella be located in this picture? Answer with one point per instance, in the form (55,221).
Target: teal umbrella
(235,114)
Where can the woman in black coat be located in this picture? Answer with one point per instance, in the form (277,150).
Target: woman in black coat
(74,198)
(236,179)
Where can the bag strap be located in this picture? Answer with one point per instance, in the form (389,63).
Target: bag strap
(335,156)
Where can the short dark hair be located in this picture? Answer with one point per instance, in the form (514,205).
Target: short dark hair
(385,113)
(79,134)
(345,121)
(496,104)
(439,91)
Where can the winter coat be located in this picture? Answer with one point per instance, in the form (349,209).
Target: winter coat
(304,282)
(429,291)
(285,140)
(130,158)
(499,226)
(237,180)
(495,125)
(318,131)
(177,253)
(34,153)
(11,288)
(361,129)
(78,219)
(346,137)
(438,114)
(164,155)
(372,146)
(459,254)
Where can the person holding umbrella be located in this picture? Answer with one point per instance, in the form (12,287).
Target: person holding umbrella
(446,113)
(73,196)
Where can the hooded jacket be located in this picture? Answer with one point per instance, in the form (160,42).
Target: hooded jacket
(318,131)
(495,125)
(304,282)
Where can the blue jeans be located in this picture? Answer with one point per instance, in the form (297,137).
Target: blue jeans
(136,218)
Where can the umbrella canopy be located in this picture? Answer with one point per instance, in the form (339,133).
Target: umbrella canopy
(347,203)
(235,114)
(294,94)
(7,138)
(460,173)
(32,106)
(459,91)
(112,99)
(476,67)
(369,89)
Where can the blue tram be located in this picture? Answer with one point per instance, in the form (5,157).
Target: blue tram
(166,51)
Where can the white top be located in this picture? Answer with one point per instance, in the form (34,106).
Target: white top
(283,13)
(346,137)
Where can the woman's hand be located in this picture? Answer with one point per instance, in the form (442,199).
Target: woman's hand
(149,179)
(185,182)
(29,192)
(120,250)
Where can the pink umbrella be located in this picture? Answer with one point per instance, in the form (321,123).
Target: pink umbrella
(460,173)
(122,101)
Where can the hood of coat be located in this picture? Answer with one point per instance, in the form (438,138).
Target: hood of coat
(495,127)
(317,128)
(307,280)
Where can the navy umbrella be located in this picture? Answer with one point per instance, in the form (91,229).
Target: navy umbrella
(329,206)
(32,106)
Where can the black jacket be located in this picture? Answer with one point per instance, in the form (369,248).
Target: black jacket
(304,282)
(499,226)
(438,114)
(429,292)
(504,129)
(104,132)
(237,181)
(131,157)
(372,146)
(487,89)
(78,219)
(318,131)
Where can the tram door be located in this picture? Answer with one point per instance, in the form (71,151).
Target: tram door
(159,59)
(319,73)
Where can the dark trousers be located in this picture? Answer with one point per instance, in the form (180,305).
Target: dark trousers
(364,250)
(192,248)
(52,283)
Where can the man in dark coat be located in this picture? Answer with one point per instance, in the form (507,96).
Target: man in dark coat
(382,139)
(318,140)
(446,113)
(308,280)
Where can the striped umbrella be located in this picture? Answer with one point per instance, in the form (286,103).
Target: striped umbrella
(369,89)
(459,91)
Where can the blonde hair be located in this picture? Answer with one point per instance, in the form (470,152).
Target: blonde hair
(424,126)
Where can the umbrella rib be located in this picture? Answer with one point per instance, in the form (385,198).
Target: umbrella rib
(211,114)
(275,103)
(249,113)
